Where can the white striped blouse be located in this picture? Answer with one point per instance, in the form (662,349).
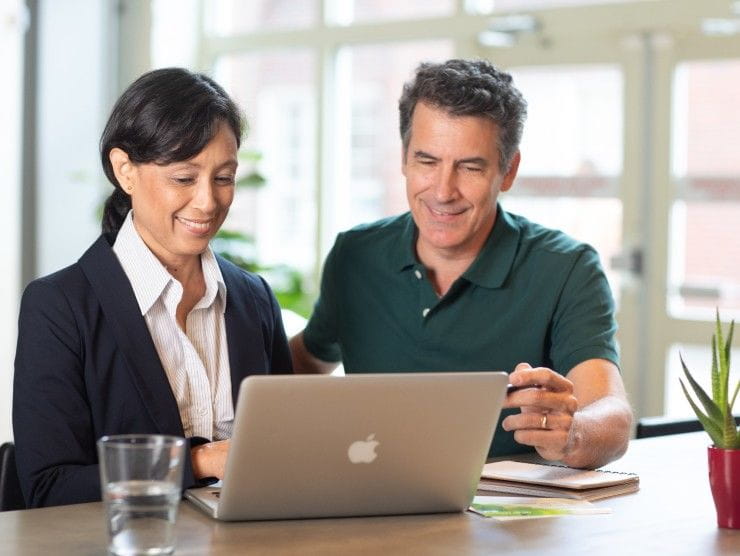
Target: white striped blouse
(196,361)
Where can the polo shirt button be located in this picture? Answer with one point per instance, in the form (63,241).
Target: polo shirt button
(417,273)
(202,411)
(425,312)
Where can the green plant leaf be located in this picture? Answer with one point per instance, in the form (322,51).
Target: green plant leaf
(734,396)
(715,370)
(728,354)
(724,369)
(252,179)
(250,155)
(234,235)
(710,407)
(729,432)
(713,429)
(734,443)
(728,343)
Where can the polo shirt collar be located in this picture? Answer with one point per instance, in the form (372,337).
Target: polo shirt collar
(403,256)
(491,266)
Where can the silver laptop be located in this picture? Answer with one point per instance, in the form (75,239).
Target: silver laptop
(308,446)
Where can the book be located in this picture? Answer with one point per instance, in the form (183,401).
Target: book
(555,481)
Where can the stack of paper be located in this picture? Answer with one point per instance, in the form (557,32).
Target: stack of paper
(531,479)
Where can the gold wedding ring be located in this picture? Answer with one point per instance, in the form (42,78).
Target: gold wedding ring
(543,425)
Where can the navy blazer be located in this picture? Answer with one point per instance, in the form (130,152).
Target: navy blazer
(86,366)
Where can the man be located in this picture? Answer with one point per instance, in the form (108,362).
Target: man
(460,284)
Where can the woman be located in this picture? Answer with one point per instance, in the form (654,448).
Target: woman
(149,332)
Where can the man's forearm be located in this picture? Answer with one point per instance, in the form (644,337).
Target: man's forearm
(600,433)
(304,362)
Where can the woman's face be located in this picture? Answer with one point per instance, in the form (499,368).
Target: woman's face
(179,207)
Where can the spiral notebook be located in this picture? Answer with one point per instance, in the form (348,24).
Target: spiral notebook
(533,479)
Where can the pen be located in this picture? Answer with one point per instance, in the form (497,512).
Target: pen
(511,388)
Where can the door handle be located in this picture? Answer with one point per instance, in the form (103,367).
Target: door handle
(628,260)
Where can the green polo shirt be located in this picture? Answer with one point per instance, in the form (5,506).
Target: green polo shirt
(532,294)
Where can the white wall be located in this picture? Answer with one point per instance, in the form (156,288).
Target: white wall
(11,68)
(75,87)
(74,91)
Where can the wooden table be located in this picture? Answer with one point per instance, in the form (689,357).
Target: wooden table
(672,514)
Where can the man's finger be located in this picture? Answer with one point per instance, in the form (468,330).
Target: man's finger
(539,377)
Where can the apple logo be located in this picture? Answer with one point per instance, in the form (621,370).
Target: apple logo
(363,451)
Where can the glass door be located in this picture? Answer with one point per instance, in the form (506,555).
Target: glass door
(630,146)
(704,211)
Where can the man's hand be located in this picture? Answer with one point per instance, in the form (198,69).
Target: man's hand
(209,460)
(582,419)
(548,404)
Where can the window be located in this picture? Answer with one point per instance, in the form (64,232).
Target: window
(174,35)
(275,89)
(233,17)
(489,6)
(369,184)
(705,217)
(357,11)
(572,155)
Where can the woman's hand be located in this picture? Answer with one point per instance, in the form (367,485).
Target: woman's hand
(209,460)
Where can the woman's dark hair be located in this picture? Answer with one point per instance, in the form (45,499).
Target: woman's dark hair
(166,115)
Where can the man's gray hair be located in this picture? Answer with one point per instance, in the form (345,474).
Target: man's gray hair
(468,88)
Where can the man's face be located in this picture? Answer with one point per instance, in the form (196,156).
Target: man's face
(453,178)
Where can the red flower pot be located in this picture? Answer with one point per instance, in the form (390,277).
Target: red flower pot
(724,478)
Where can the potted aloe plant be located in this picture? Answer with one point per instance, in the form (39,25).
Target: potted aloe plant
(718,421)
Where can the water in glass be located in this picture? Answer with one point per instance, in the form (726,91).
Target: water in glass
(141,516)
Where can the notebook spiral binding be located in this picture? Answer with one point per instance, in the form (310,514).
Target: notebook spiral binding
(598,470)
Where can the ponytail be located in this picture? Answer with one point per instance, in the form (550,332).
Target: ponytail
(115,210)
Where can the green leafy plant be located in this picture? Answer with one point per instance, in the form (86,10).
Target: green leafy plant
(239,248)
(250,158)
(286,282)
(716,417)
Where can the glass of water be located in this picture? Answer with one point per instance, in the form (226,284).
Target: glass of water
(141,481)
